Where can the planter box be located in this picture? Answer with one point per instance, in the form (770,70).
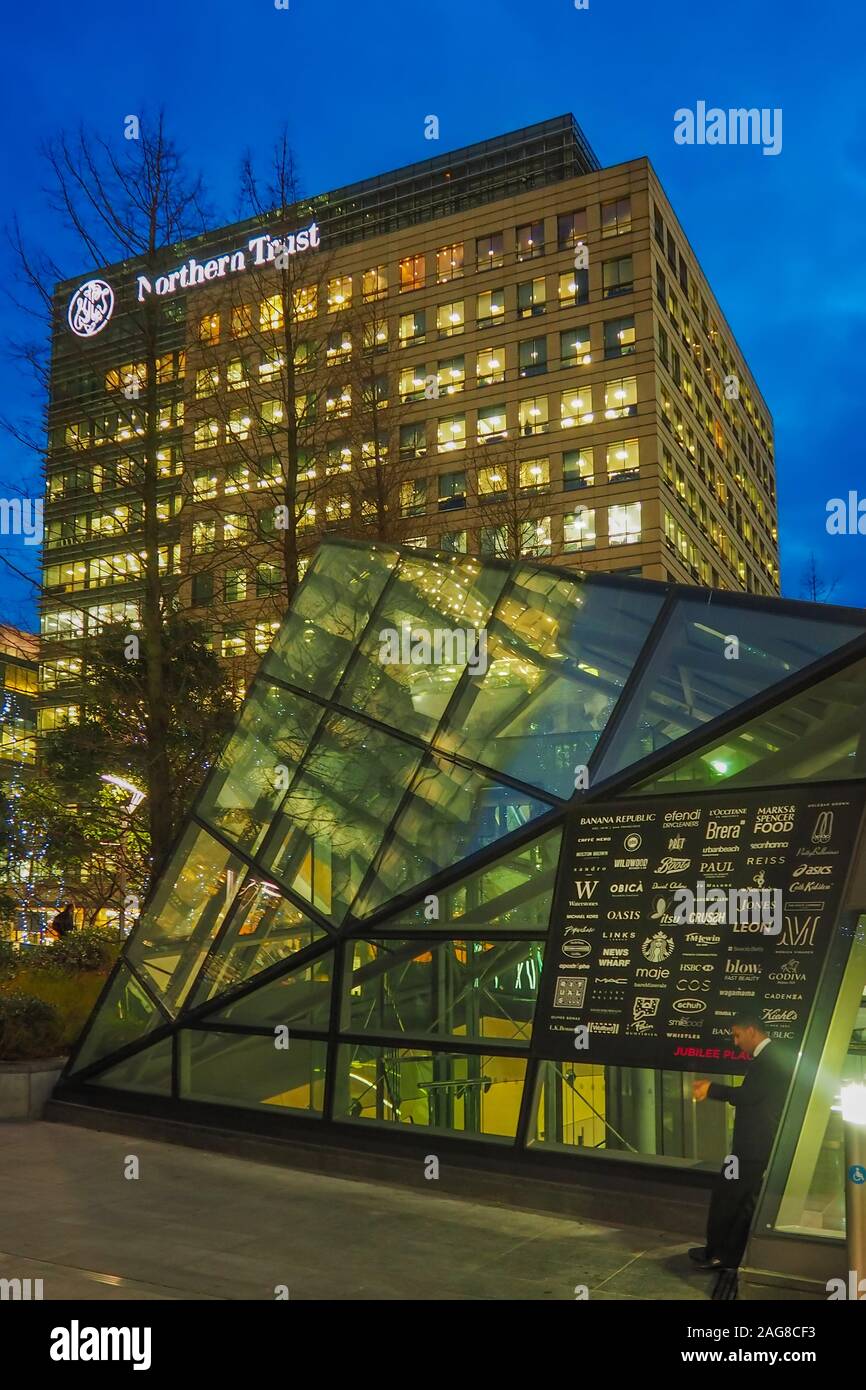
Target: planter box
(26,1086)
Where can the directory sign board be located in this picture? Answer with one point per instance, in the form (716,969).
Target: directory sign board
(674,914)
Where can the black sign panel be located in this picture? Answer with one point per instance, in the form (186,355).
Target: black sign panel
(674,915)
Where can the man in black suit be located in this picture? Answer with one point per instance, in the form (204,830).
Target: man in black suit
(758,1105)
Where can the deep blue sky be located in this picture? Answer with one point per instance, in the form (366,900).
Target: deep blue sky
(780,238)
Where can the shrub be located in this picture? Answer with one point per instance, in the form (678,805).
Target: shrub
(72,996)
(88,948)
(29,1028)
(10,960)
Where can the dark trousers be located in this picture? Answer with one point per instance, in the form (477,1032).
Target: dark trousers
(732,1207)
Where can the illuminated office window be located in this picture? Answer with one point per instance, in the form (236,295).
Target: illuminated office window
(242,320)
(570,229)
(451,375)
(374,283)
(203,537)
(204,484)
(531,297)
(574,347)
(530,241)
(492,483)
(620,398)
(489,251)
(304,302)
(534,475)
(239,424)
(616,217)
(411,383)
(236,374)
(492,423)
(412,328)
(205,434)
(617,277)
(619,337)
(451,318)
(573,288)
(264,634)
(339,293)
(575,406)
(235,585)
(271,312)
(577,469)
(535,536)
(209,329)
(490,366)
(578,529)
(532,415)
(234,640)
(451,433)
(623,458)
(623,523)
(490,307)
(207,380)
(449,262)
(411,270)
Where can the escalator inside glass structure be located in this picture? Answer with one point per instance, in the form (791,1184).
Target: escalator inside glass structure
(351,930)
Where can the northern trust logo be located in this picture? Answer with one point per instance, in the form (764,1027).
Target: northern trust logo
(90,308)
(77,1343)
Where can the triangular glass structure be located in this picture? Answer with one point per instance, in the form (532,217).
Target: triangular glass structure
(372,865)
(712,656)
(816,736)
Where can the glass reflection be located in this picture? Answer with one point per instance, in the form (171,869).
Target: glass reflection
(471,989)
(553,676)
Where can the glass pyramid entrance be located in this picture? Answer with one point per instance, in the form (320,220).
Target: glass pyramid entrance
(353,925)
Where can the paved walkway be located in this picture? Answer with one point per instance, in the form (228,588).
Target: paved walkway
(197,1225)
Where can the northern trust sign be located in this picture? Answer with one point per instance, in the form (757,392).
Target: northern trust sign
(91,306)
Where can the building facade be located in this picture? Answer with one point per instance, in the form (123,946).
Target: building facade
(19,667)
(505,350)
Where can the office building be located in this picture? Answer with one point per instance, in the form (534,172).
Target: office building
(504,350)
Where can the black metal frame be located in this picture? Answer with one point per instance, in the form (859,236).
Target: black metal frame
(337,939)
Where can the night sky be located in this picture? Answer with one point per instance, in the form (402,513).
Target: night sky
(780,238)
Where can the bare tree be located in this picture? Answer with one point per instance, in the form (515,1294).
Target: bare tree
(815,584)
(125,200)
(509,489)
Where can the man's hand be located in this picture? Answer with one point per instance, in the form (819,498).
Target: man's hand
(700,1090)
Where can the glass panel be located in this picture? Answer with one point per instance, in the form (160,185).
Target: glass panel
(814,1177)
(264,929)
(709,659)
(451,812)
(253,1072)
(335,815)
(328,615)
(125,1015)
(426,632)
(256,767)
(817,736)
(470,989)
(148,1071)
(192,897)
(552,677)
(476,1096)
(514,893)
(299,999)
(629,1110)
